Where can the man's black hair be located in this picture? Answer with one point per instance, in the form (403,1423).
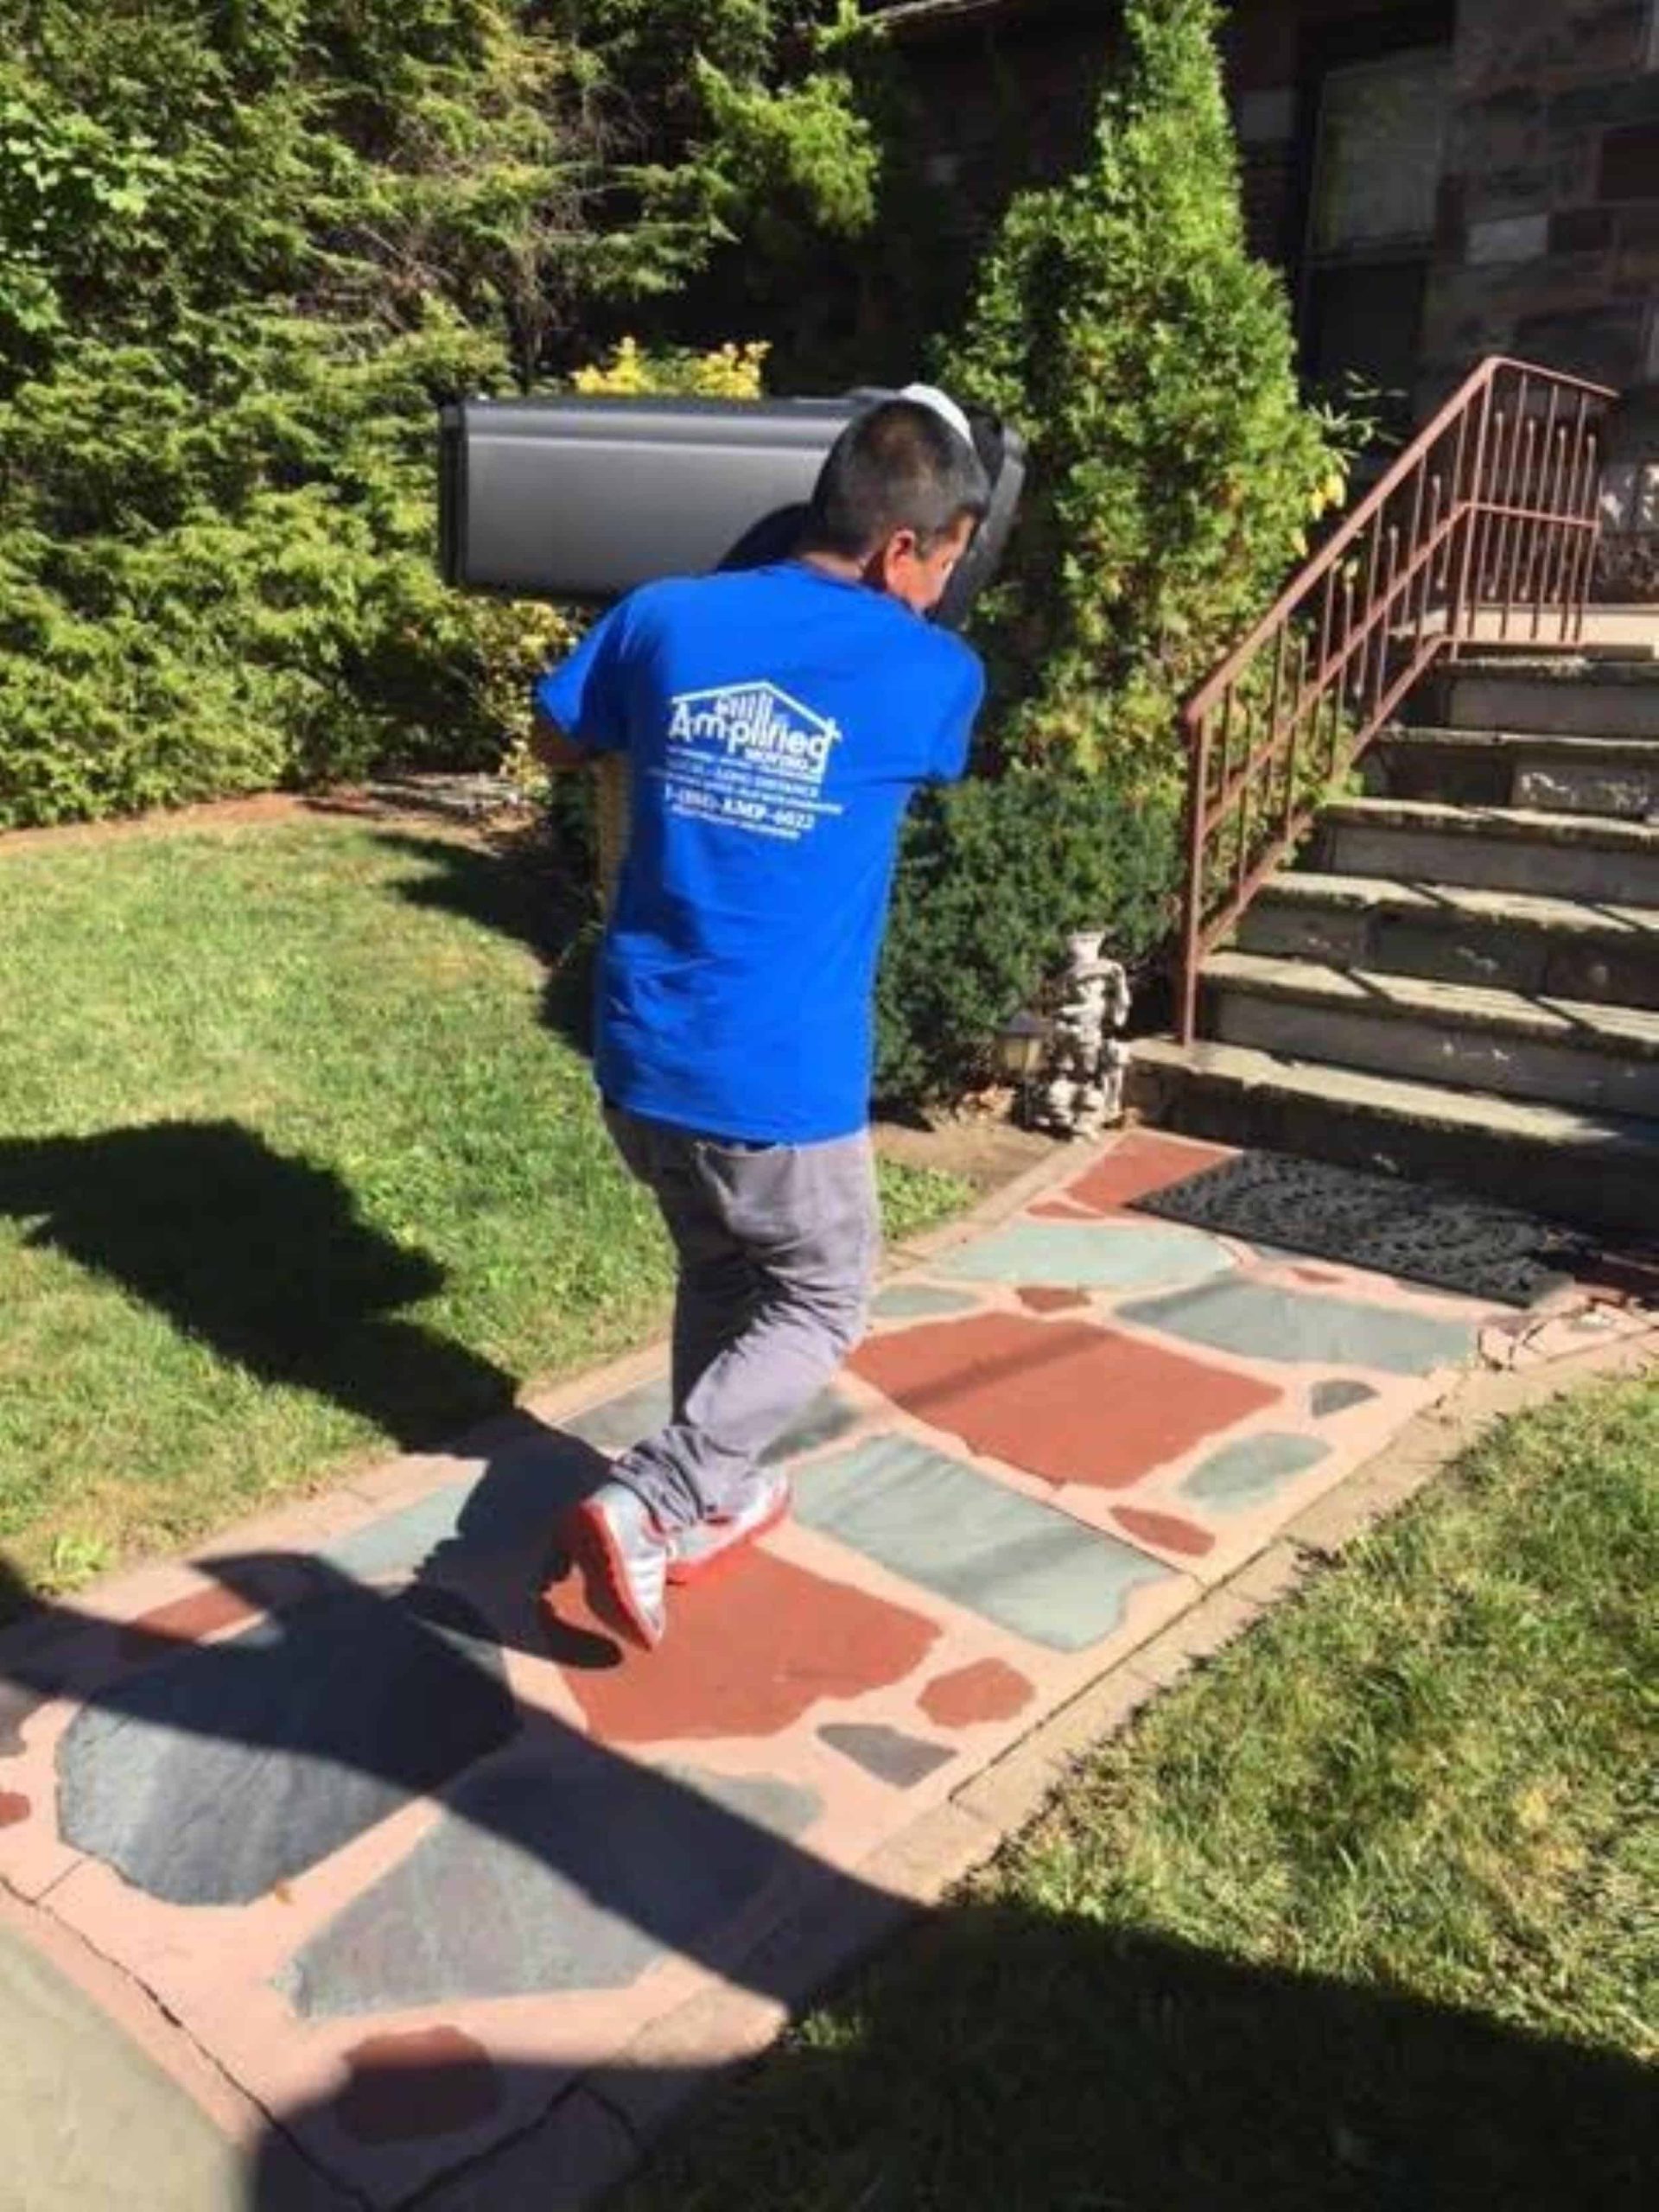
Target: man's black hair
(898,465)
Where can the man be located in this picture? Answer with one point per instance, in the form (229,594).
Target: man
(777,721)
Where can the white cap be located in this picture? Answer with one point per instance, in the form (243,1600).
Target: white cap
(929,395)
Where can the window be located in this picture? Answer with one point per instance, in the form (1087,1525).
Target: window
(1378,149)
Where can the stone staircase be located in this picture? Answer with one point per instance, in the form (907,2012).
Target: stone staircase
(1460,980)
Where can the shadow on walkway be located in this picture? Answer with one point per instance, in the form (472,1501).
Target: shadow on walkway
(1010,2059)
(209,1774)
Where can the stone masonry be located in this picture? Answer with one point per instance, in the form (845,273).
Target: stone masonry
(1547,241)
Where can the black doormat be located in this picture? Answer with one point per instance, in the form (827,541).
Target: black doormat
(1420,1231)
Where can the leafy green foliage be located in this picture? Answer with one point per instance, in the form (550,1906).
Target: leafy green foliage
(1174,472)
(995,874)
(223,588)
(245,246)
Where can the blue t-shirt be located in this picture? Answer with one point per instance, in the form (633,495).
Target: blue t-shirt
(777,721)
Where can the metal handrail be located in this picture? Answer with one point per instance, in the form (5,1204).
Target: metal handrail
(1480,516)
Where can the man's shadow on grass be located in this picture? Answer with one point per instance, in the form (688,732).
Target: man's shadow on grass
(263,1256)
(1012,2058)
(532,886)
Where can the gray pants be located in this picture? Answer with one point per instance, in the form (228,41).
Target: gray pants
(777,1249)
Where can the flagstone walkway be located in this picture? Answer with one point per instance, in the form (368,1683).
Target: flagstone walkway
(419,1863)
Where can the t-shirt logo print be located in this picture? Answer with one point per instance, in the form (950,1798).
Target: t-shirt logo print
(751,758)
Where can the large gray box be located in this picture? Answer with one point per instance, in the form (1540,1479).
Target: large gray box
(584,498)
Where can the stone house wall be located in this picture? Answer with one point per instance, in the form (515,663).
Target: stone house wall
(1550,245)
(1545,230)
(1551,248)
(1548,239)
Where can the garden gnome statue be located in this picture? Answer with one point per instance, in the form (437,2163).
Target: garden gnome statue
(1083,1093)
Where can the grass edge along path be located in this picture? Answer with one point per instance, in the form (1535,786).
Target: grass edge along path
(1364,1915)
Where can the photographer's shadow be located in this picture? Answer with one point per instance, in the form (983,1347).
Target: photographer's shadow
(1018,2056)
(261,1256)
(1013,2059)
(214,1774)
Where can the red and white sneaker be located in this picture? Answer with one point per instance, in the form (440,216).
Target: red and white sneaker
(760,1504)
(623,1560)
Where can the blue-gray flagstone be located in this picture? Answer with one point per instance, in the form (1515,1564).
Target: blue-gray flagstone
(615,1423)
(1260,1321)
(210,1778)
(1336,1396)
(509,1509)
(941,1524)
(577,1872)
(887,1753)
(922,1301)
(828,1416)
(398,1543)
(1090,1255)
(1253,1469)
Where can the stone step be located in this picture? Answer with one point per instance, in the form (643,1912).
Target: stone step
(1492,848)
(1602,1059)
(1560,947)
(1617,776)
(1609,629)
(1597,1170)
(1561,692)
(1629,632)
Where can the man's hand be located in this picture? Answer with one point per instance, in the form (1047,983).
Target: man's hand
(551,746)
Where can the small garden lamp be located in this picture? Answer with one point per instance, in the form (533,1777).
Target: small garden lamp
(1021,1044)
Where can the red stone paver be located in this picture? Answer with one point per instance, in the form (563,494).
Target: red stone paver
(1044,1298)
(1164,1531)
(1141,1164)
(185,1620)
(1067,1401)
(406,2089)
(754,1649)
(988,1690)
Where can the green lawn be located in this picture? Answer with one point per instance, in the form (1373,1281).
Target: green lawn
(1365,1916)
(296,1165)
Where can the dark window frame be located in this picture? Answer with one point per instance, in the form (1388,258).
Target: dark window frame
(1321,48)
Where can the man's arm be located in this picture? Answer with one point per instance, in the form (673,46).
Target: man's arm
(551,747)
(578,708)
(957,729)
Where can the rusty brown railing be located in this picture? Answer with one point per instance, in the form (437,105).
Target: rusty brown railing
(1488,519)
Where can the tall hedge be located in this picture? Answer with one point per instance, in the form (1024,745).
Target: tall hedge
(1174,473)
(1176,468)
(244,247)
